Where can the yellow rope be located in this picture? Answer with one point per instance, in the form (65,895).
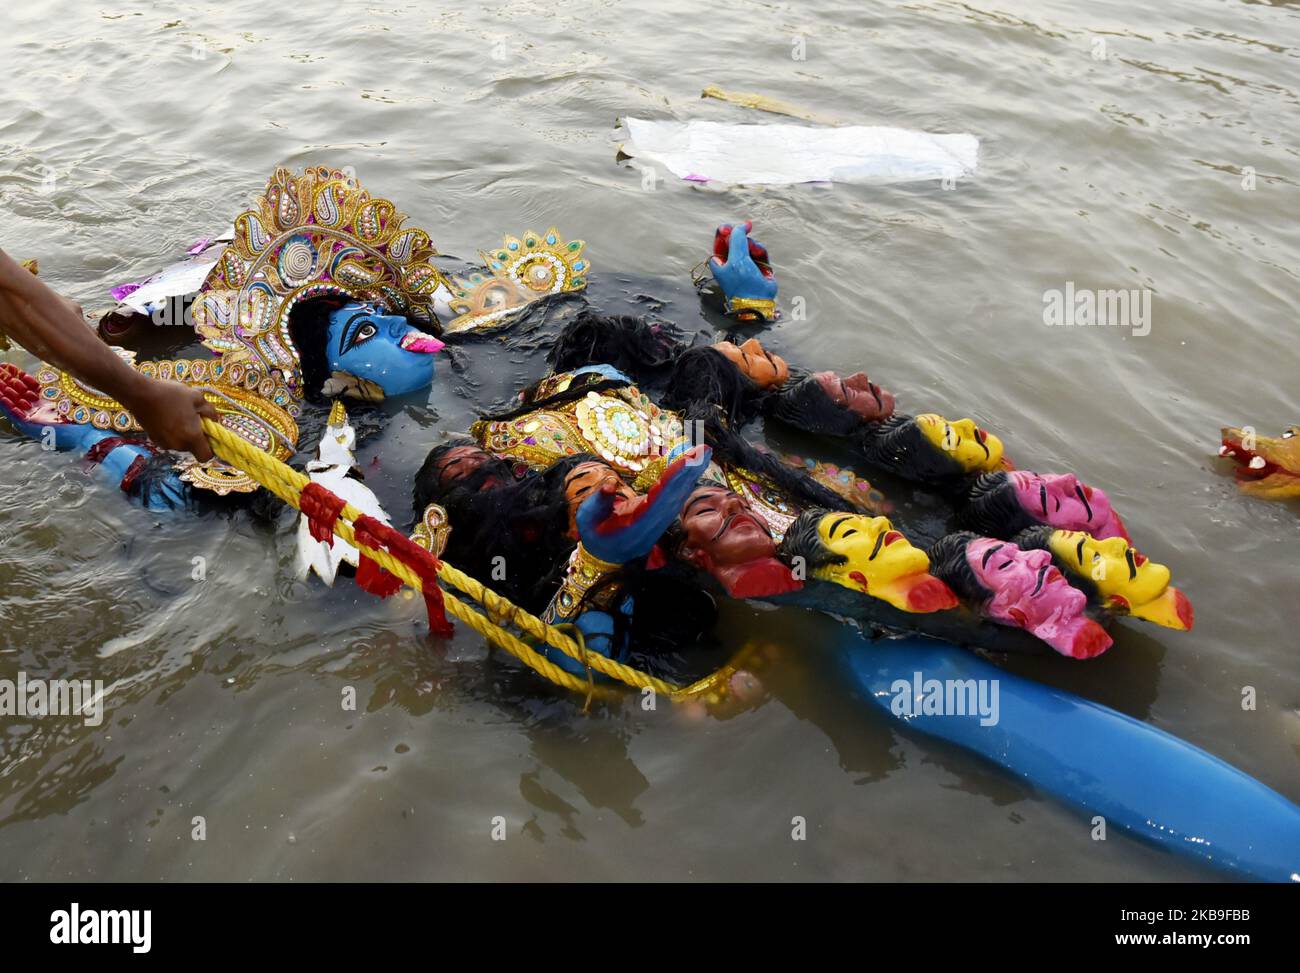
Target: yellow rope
(287,484)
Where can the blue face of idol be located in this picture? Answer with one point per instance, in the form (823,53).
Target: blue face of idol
(383,349)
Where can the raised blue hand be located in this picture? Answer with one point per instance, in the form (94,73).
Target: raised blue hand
(630,532)
(740,276)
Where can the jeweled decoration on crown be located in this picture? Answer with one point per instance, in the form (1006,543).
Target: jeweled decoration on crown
(520,271)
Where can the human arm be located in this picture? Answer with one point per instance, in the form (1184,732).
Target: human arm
(53,328)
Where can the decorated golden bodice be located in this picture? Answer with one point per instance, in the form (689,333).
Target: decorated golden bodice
(621,426)
(634,435)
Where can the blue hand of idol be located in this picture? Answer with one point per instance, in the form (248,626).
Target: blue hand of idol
(597,628)
(164,493)
(20,403)
(170,493)
(740,276)
(383,349)
(625,533)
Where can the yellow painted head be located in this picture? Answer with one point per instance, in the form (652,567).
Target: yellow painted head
(974,449)
(1125,579)
(867,554)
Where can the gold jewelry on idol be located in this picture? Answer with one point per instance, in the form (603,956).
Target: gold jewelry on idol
(585,571)
(520,271)
(621,426)
(433,530)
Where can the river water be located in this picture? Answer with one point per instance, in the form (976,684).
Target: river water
(1147,146)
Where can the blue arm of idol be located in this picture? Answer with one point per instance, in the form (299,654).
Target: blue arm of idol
(168,494)
(633,531)
(1141,779)
(597,628)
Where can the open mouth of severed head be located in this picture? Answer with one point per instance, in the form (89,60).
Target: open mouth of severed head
(1265,466)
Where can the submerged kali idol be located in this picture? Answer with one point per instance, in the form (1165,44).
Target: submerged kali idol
(321,291)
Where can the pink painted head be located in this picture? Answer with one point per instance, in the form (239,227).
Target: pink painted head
(1030,593)
(1060,500)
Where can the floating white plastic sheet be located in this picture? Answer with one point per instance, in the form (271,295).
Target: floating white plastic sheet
(781,154)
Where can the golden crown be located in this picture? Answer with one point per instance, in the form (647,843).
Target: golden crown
(310,234)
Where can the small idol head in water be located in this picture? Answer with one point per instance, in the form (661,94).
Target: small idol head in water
(866,554)
(827,403)
(973,449)
(931,449)
(1113,574)
(1002,504)
(722,535)
(861,396)
(1019,588)
(375,355)
(459,465)
(721,530)
(757,364)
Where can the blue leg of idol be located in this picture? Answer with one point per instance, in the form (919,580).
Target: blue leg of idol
(1138,778)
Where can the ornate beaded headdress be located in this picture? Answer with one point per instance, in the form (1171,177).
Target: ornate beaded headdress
(520,271)
(310,235)
(307,235)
